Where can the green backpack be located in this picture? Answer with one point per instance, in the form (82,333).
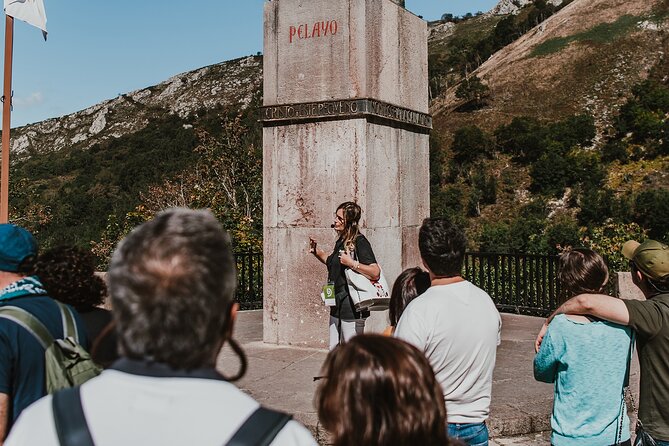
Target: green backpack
(67,363)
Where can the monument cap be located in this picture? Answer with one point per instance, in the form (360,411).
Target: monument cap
(16,245)
(650,257)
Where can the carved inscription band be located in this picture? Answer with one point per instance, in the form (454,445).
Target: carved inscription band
(348,108)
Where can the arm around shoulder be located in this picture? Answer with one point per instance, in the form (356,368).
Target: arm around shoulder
(599,305)
(605,307)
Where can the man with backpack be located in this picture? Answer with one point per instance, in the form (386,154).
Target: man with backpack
(172,283)
(23,301)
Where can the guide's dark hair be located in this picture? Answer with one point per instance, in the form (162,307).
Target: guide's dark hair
(68,274)
(379,390)
(172,283)
(408,285)
(581,271)
(442,246)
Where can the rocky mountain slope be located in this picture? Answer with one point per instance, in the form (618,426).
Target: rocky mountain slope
(232,83)
(586,57)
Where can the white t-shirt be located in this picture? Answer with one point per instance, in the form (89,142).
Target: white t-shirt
(458,328)
(128,409)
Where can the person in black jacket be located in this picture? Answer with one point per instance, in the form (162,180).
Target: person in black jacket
(351,250)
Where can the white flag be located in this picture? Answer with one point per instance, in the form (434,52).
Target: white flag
(30,11)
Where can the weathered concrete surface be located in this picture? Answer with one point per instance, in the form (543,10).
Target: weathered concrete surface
(282,377)
(308,170)
(625,287)
(325,50)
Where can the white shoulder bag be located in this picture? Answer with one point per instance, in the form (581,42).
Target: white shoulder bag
(370,295)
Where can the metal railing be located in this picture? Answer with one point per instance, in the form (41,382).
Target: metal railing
(249,277)
(517,283)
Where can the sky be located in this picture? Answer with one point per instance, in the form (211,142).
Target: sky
(98,49)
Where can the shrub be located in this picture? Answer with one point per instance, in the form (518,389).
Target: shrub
(596,206)
(608,240)
(577,130)
(470,144)
(550,174)
(472,90)
(615,150)
(651,211)
(562,232)
(523,138)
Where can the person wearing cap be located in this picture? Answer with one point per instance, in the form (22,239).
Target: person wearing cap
(649,264)
(22,367)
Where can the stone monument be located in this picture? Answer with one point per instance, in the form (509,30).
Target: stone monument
(345,117)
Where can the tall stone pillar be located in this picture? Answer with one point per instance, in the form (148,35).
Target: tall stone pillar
(344,118)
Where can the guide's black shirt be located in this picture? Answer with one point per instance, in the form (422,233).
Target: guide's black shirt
(336,274)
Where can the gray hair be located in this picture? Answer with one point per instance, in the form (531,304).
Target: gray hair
(172,282)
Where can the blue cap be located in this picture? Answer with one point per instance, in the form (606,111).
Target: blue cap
(16,245)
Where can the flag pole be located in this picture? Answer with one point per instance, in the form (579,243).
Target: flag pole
(6,119)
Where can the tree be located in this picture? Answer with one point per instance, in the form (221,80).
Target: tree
(472,91)
(651,211)
(470,144)
(226,178)
(523,138)
(550,174)
(577,130)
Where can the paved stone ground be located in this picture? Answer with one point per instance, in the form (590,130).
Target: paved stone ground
(281,377)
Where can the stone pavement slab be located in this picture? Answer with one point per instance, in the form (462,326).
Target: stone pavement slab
(281,377)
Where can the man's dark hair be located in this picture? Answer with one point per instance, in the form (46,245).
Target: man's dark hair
(442,246)
(172,283)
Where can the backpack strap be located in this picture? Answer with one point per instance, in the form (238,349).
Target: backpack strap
(69,326)
(29,322)
(260,428)
(69,418)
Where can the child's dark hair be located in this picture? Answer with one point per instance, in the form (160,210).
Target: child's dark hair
(582,271)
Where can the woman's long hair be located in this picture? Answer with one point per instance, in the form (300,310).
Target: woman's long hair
(408,285)
(351,229)
(381,391)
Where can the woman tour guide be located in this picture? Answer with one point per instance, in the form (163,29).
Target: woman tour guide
(351,250)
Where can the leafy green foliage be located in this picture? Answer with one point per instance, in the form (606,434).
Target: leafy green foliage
(226,178)
(472,91)
(550,174)
(651,211)
(643,119)
(523,138)
(471,144)
(608,240)
(77,191)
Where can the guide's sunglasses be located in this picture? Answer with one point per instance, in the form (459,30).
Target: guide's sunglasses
(339,219)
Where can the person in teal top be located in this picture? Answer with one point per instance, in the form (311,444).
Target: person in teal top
(588,360)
